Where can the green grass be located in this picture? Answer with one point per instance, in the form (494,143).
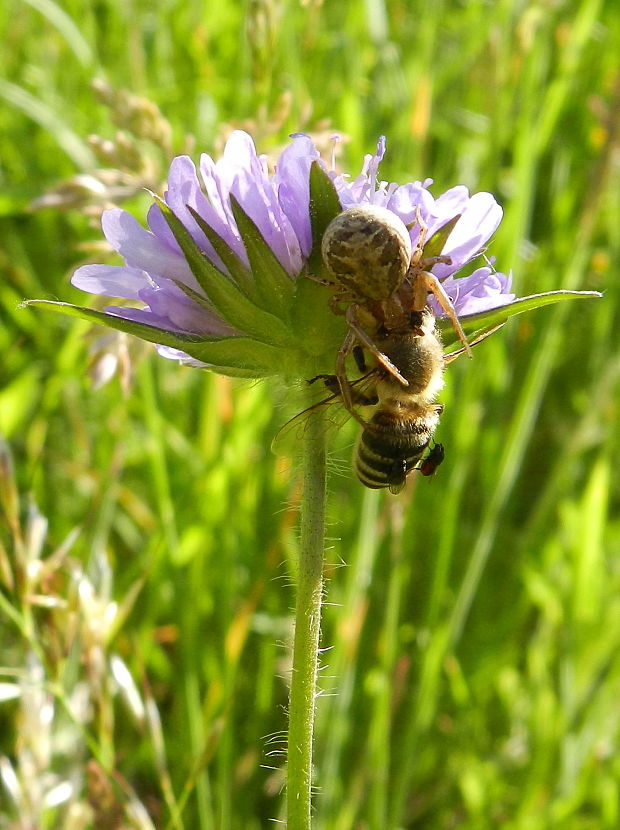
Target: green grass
(473,624)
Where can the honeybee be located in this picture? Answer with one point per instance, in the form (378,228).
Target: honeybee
(383,280)
(385,285)
(403,420)
(396,436)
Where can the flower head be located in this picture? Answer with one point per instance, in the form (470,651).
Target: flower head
(223,276)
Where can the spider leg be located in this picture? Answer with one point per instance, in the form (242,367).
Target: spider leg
(359,334)
(346,390)
(425,282)
(416,256)
(360,360)
(341,372)
(337,299)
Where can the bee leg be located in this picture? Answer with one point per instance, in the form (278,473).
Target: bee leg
(360,360)
(425,282)
(350,396)
(341,372)
(365,400)
(330,381)
(366,341)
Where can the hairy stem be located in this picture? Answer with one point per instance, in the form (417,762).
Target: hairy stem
(307,627)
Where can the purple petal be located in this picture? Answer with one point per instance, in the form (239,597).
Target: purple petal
(250,184)
(364,187)
(447,206)
(217,212)
(483,290)
(110,280)
(371,163)
(142,249)
(182,313)
(176,354)
(158,225)
(407,200)
(183,190)
(141,315)
(291,184)
(479,221)
(241,172)
(174,314)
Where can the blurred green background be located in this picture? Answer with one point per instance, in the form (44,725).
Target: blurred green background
(472,626)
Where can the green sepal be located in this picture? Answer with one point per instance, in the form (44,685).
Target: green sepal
(142,330)
(234,372)
(275,347)
(324,206)
(247,357)
(199,299)
(274,285)
(238,271)
(230,303)
(238,354)
(319,330)
(436,243)
(486,320)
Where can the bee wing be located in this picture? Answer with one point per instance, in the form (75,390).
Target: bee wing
(288,438)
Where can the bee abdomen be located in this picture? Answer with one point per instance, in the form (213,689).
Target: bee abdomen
(384,469)
(391,445)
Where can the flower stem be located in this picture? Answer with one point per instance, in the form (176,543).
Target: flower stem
(307,627)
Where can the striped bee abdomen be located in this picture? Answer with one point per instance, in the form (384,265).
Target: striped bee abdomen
(393,443)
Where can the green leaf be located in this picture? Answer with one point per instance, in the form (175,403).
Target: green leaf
(484,320)
(234,372)
(274,285)
(436,243)
(324,206)
(226,297)
(142,330)
(238,271)
(199,299)
(243,356)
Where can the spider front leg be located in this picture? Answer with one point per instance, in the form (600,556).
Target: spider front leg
(419,262)
(418,251)
(337,300)
(349,344)
(341,370)
(340,294)
(424,283)
(358,333)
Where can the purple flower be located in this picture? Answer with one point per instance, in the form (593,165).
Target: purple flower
(228,273)
(157,276)
(154,262)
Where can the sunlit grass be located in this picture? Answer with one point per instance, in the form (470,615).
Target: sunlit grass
(470,676)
